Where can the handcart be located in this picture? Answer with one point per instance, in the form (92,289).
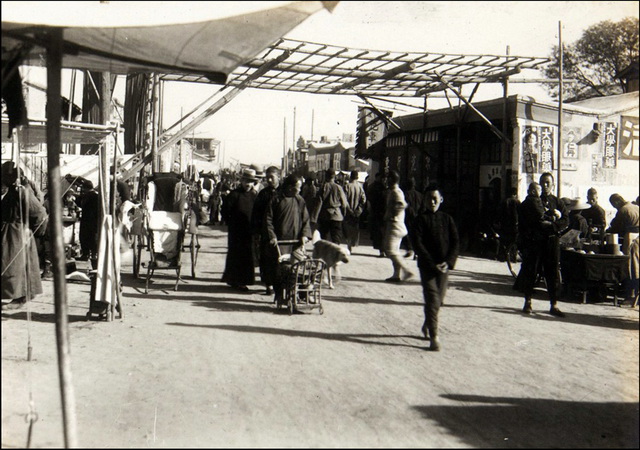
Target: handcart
(302,278)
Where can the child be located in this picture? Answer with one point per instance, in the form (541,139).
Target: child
(436,243)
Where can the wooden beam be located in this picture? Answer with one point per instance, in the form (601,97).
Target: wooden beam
(493,128)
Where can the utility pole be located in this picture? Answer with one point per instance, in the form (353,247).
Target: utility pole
(560,88)
(284,149)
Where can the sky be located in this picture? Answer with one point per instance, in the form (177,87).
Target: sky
(252,126)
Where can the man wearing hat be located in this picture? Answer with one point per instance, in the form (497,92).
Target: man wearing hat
(576,220)
(236,212)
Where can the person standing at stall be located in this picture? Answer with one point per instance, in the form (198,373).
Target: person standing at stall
(23,217)
(237,208)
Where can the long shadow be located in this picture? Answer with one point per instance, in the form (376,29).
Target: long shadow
(43,317)
(481,287)
(343,337)
(508,422)
(413,281)
(368,301)
(229,304)
(578,319)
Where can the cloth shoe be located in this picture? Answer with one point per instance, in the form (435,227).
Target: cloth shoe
(435,345)
(554,311)
(527,309)
(17,303)
(393,279)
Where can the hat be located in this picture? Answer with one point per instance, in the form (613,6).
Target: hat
(248,174)
(575,204)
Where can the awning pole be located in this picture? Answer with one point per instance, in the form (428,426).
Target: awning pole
(54,110)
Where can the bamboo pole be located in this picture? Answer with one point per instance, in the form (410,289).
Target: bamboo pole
(53,109)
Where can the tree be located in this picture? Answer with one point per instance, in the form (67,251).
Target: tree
(595,60)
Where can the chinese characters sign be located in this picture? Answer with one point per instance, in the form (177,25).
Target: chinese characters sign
(546,149)
(537,149)
(610,145)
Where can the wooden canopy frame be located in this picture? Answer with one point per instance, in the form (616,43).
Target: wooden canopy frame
(328,69)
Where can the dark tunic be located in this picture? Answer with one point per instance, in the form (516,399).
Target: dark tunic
(21,269)
(539,244)
(435,240)
(595,216)
(260,235)
(89,222)
(287,218)
(236,212)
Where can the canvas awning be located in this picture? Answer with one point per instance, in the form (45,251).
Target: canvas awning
(70,132)
(209,39)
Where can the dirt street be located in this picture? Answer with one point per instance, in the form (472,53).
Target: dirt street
(211,367)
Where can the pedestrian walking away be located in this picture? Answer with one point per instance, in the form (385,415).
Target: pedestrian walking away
(356,202)
(436,242)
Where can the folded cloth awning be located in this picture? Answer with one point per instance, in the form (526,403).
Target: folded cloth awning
(35,132)
(206,38)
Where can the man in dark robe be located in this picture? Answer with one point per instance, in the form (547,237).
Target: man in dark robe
(286,218)
(260,236)
(236,213)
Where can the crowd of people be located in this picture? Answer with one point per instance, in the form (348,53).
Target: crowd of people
(261,209)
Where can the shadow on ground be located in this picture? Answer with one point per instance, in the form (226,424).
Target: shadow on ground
(372,339)
(506,422)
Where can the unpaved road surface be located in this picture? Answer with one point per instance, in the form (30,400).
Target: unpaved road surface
(207,366)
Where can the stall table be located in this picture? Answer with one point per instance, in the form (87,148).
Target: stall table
(581,271)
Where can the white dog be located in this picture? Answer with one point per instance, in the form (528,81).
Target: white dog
(332,254)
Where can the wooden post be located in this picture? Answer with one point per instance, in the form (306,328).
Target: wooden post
(59,264)
(505,144)
(560,88)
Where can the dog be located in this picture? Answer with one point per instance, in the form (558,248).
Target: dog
(332,255)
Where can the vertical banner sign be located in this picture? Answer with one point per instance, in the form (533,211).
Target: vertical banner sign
(610,145)
(546,149)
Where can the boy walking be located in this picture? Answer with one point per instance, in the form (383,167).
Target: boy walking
(436,243)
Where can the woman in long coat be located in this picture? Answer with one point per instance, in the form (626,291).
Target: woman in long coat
(22,216)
